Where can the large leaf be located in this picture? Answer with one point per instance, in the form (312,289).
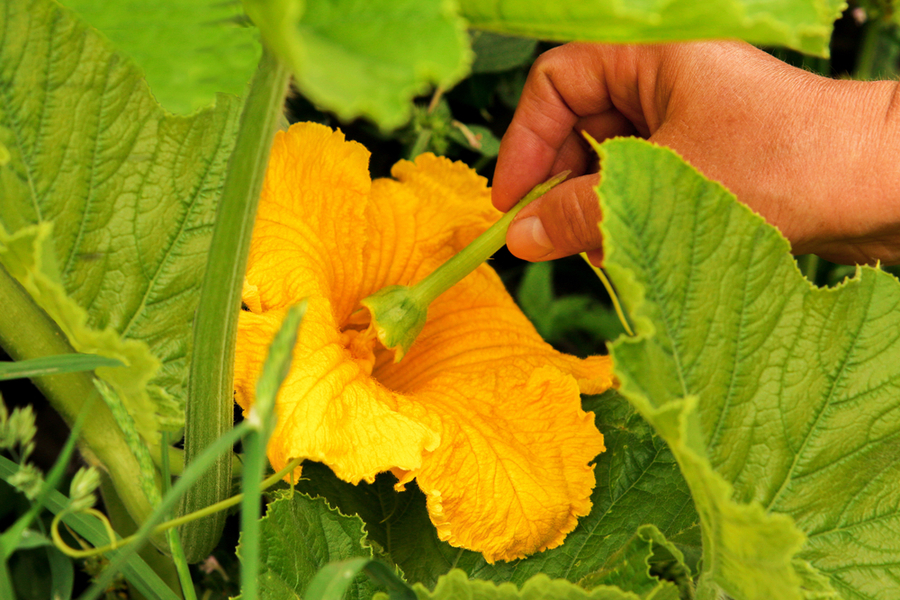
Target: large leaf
(456,584)
(804,25)
(189,50)
(130,192)
(638,482)
(299,536)
(780,400)
(366,57)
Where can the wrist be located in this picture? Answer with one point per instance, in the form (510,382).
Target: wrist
(854,172)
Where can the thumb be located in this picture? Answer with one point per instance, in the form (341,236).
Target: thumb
(565,221)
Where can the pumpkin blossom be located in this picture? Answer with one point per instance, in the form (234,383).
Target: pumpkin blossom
(481,412)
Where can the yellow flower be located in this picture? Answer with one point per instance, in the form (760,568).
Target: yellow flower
(481,412)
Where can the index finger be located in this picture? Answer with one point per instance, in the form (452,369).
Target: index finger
(566,92)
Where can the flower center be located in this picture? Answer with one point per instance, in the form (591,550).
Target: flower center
(361,346)
(359,338)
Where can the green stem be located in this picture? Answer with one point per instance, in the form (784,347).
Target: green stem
(26,332)
(810,266)
(878,51)
(181,565)
(6,586)
(482,248)
(254,464)
(123,525)
(210,405)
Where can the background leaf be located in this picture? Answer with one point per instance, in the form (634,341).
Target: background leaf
(804,25)
(789,392)
(494,53)
(131,191)
(188,50)
(559,319)
(299,536)
(638,482)
(366,57)
(630,567)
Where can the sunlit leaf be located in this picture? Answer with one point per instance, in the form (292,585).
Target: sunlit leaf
(457,584)
(189,50)
(781,401)
(804,25)
(366,57)
(130,193)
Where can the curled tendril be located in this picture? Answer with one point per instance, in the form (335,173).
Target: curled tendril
(115,544)
(73,552)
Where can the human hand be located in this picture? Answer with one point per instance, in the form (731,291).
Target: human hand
(814,156)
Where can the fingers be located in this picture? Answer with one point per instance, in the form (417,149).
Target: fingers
(563,222)
(566,93)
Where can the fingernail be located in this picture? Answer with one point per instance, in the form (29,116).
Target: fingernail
(528,239)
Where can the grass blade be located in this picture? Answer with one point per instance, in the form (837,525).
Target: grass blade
(54,365)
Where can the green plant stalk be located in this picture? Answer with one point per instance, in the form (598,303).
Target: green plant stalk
(27,332)
(614,298)
(6,586)
(254,464)
(878,51)
(123,525)
(482,248)
(263,420)
(399,312)
(210,389)
(181,565)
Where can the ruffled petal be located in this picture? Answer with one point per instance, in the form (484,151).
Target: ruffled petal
(329,409)
(311,223)
(513,471)
(433,209)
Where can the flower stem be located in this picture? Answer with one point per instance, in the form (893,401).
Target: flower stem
(211,386)
(482,248)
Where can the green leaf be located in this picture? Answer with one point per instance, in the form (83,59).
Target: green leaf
(804,25)
(557,318)
(52,365)
(62,574)
(638,482)
(494,53)
(299,536)
(456,584)
(188,50)
(366,57)
(781,401)
(629,568)
(130,193)
(333,580)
